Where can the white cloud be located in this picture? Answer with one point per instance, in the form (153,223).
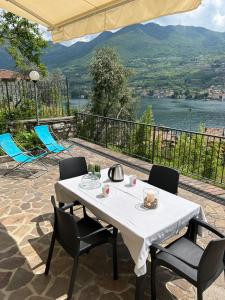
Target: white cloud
(86,38)
(218,3)
(210,14)
(219,20)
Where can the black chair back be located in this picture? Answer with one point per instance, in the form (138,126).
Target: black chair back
(66,230)
(72,167)
(164,178)
(212,262)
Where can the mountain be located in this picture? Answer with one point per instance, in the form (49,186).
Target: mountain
(161,56)
(6,61)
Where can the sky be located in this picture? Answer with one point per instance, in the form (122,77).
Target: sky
(211,15)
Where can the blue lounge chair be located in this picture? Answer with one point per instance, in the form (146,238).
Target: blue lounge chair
(48,139)
(8,145)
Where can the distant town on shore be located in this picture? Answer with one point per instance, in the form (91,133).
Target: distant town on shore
(212,93)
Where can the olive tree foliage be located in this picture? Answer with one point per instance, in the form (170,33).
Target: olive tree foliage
(23,41)
(111,95)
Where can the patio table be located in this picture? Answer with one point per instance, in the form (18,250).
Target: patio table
(123,209)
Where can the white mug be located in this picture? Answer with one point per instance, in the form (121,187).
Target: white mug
(105,190)
(132,180)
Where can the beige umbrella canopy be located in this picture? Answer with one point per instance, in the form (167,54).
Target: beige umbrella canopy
(68,19)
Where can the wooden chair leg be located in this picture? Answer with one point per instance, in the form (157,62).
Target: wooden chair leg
(72,279)
(153,281)
(114,246)
(71,210)
(50,254)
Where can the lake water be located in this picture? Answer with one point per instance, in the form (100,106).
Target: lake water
(180,113)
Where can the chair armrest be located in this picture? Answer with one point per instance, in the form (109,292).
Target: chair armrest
(56,137)
(67,206)
(61,141)
(165,250)
(206,225)
(94,233)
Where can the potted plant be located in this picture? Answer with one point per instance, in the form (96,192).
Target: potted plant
(97,171)
(91,168)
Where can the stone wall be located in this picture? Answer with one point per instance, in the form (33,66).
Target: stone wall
(64,127)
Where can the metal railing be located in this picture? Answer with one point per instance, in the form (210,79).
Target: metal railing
(192,153)
(17,98)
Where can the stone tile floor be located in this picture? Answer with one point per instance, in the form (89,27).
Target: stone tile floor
(25,232)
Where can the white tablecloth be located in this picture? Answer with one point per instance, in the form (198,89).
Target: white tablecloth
(123,209)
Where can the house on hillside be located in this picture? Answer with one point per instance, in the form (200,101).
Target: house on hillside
(215,93)
(9,75)
(215,131)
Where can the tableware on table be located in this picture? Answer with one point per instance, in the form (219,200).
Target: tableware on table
(91,168)
(97,171)
(105,190)
(90,181)
(132,180)
(150,198)
(116,173)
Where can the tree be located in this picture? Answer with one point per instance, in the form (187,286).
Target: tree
(56,75)
(147,116)
(111,95)
(23,41)
(144,133)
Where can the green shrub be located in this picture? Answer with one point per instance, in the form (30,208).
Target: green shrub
(27,140)
(25,110)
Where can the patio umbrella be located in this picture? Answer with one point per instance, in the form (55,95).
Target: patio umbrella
(68,19)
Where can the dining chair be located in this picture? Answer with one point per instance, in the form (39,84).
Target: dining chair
(72,167)
(164,178)
(79,237)
(199,266)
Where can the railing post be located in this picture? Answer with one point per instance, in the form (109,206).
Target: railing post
(7,95)
(153,145)
(67,98)
(106,132)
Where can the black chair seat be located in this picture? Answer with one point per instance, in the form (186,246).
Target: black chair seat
(186,249)
(87,226)
(199,266)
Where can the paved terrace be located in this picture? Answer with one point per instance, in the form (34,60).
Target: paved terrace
(25,232)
